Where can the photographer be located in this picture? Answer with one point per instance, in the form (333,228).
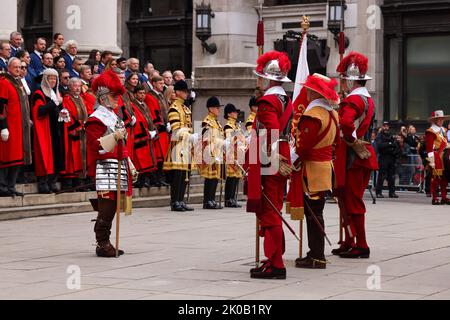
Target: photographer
(388,153)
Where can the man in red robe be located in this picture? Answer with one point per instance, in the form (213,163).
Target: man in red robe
(355,157)
(436,142)
(15,140)
(75,136)
(267,176)
(159,107)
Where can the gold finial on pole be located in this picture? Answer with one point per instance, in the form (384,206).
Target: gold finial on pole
(305,23)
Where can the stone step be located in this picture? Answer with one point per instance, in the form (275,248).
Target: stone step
(85,206)
(32,188)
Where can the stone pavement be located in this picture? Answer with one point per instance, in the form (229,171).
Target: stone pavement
(207,255)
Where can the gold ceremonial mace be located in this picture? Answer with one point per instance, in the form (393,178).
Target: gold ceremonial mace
(118,197)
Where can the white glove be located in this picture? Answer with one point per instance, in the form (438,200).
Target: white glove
(193,138)
(133,121)
(5,135)
(152,134)
(294,155)
(193,95)
(64,115)
(120,134)
(248,139)
(168,127)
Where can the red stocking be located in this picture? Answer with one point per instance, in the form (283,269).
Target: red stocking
(274,245)
(359,221)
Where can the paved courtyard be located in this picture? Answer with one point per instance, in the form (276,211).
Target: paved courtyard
(207,255)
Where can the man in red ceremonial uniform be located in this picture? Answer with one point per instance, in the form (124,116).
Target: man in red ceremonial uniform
(15,140)
(106,136)
(318,134)
(355,157)
(436,142)
(268,176)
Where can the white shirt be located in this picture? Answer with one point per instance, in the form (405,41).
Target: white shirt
(38,53)
(323,103)
(25,86)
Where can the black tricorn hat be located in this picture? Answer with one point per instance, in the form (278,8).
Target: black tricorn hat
(213,102)
(229,108)
(180,85)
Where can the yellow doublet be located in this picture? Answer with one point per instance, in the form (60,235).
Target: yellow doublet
(179,155)
(212,142)
(319,173)
(232,131)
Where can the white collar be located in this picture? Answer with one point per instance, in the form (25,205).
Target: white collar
(436,128)
(106,116)
(323,103)
(276,90)
(26,87)
(38,53)
(361,91)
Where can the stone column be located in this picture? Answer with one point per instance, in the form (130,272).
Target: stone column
(8,18)
(93,24)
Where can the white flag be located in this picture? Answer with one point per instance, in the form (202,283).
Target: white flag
(302,67)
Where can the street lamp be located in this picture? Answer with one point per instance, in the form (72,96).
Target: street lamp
(336,23)
(203,26)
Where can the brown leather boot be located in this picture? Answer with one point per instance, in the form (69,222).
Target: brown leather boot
(102,228)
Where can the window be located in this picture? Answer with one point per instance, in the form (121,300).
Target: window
(427,75)
(287,2)
(394,85)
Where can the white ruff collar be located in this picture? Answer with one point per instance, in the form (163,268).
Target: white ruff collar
(106,116)
(276,90)
(361,91)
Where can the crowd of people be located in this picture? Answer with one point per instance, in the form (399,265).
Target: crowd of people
(403,155)
(46,97)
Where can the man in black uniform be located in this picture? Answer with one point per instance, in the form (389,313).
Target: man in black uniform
(388,151)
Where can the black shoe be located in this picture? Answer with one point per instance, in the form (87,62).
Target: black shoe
(210,205)
(217,205)
(445,201)
(356,253)
(269,272)
(185,207)
(310,263)
(17,194)
(236,204)
(379,195)
(164,184)
(5,194)
(393,195)
(263,264)
(176,206)
(435,202)
(343,248)
(229,204)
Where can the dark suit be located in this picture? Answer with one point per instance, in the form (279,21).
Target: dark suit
(69,62)
(36,62)
(3,66)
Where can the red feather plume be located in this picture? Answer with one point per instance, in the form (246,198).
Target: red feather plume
(354,57)
(283,61)
(109,80)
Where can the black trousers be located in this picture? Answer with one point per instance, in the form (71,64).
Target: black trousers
(387,171)
(231,188)
(178,185)
(8,179)
(209,190)
(316,240)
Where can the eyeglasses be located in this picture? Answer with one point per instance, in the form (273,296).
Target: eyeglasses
(65,78)
(23,67)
